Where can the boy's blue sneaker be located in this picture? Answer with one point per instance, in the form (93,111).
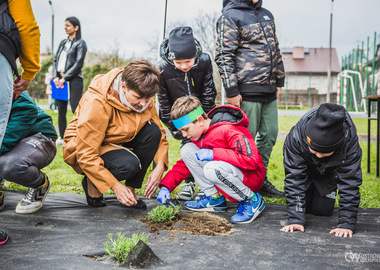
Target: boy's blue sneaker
(208,203)
(249,209)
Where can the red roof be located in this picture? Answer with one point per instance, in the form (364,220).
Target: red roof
(315,60)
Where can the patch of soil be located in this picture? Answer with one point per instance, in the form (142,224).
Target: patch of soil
(198,223)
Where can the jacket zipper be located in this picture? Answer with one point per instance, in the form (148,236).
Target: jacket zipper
(270,49)
(188,84)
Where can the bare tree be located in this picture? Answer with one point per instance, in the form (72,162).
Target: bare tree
(204,27)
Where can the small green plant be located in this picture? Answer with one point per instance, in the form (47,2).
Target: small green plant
(120,247)
(162,213)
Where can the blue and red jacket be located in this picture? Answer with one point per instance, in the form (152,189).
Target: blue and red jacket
(231,142)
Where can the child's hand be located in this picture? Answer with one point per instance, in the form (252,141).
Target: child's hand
(293,227)
(163,195)
(341,232)
(205,155)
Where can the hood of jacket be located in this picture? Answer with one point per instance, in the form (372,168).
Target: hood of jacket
(164,51)
(101,86)
(227,115)
(241,4)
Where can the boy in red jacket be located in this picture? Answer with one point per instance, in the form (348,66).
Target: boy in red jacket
(222,157)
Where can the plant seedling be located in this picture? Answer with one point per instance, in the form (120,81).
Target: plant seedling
(119,247)
(162,213)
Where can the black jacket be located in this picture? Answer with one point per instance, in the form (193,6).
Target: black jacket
(247,51)
(175,83)
(10,41)
(75,59)
(340,171)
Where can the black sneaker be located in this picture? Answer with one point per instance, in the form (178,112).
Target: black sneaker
(3,237)
(269,190)
(34,198)
(93,202)
(1,200)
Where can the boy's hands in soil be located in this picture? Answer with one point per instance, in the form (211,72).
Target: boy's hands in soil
(293,227)
(341,232)
(163,195)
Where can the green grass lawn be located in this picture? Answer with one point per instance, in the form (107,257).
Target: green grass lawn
(64,179)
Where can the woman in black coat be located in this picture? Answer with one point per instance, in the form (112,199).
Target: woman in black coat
(68,63)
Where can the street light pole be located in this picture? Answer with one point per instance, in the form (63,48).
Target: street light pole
(166,11)
(330,56)
(52,28)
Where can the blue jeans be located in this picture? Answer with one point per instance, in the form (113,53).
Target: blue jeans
(6,94)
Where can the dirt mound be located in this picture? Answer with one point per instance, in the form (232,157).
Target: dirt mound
(199,223)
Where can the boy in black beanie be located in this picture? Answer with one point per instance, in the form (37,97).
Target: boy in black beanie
(186,71)
(322,154)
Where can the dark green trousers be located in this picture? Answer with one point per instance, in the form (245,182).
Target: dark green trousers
(263,125)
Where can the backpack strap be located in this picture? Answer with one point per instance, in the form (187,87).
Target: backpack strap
(3,6)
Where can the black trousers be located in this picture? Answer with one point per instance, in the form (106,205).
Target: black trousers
(132,165)
(76,90)
(318,205)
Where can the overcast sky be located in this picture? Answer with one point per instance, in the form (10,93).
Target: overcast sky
(135,23)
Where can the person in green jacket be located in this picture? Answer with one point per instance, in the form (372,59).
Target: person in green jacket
(27,147)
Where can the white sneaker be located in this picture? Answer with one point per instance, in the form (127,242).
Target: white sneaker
(59,141)
(34,199)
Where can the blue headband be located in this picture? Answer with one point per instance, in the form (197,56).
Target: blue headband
(188,118)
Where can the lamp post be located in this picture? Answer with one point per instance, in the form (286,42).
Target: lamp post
(166,12)
(52,28)
(329,68)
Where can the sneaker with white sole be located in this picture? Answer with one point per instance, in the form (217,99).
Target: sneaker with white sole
(208,204)
(187,193)
(34,198)
(248,210)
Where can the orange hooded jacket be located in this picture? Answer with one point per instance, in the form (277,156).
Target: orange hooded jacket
(99,121)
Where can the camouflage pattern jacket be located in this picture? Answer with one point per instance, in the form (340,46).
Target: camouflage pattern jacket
(247,51)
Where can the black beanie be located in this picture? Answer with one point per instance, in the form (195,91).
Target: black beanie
(182,44)
(325,131)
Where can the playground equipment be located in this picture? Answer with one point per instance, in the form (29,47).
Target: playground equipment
(345,75)
(358,78)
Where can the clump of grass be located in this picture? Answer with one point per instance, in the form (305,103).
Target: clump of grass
(119,247)
(162,213)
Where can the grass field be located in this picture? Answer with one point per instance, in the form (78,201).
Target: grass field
(64,179)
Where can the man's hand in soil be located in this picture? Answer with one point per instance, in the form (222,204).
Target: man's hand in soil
(341,232)
(125,195)
(293,227)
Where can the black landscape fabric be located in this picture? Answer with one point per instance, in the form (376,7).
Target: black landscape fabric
(65,229)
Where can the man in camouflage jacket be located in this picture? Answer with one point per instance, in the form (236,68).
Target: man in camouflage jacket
(250,64)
